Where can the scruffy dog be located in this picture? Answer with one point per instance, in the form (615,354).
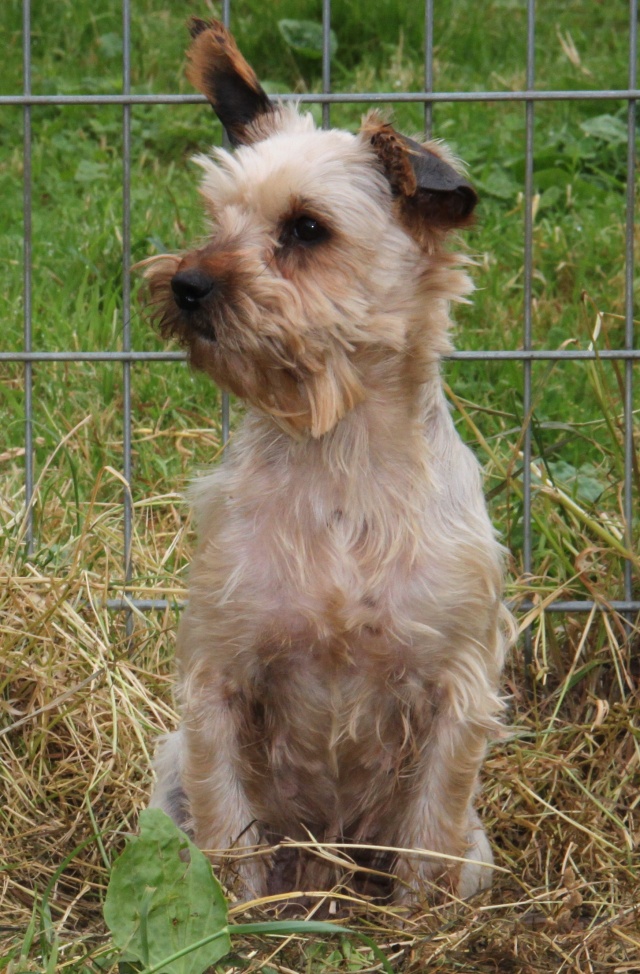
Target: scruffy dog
(340,654)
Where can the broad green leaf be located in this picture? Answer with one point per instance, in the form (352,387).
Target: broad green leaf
(550,198)
(582,483)
(305,37)
(497,182)
(89,171)
(562,470)
(163,897)
(111,45)
(591,189)
(609,128)
(588,487)
(552,178)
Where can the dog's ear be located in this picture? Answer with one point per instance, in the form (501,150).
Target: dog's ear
(428,188)
(218,69)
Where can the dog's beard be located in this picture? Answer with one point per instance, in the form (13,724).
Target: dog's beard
(305,387)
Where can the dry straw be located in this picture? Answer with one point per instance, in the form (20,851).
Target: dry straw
(82,704)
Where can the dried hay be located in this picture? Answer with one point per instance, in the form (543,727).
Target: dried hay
(83,702)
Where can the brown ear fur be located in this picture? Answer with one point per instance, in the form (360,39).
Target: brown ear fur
(429,190)
(218,69)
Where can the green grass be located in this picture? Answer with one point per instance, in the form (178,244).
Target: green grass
(579,160)
(77,207)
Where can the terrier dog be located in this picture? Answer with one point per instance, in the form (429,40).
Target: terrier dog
(340,654)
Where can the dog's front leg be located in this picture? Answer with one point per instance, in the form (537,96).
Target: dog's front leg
(198,783)
(439,815)
(221,815)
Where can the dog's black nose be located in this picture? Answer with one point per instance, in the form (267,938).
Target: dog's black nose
(191,287)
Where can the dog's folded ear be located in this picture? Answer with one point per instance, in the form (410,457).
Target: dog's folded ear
(218,69)
(430,191)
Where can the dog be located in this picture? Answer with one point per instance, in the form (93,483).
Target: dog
(340,655)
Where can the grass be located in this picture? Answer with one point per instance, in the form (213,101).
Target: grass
(82,701)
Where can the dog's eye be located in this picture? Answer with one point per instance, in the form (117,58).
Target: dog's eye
(308,230)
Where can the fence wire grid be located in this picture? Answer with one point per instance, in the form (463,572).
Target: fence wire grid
(528,98)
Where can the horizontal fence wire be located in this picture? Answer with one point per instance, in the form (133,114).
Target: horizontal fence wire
(479,355)
(127,356)
(339,98)
(616,605)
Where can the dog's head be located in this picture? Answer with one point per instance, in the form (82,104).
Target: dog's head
(324,249)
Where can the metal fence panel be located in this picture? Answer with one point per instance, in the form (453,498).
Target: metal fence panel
(527,355)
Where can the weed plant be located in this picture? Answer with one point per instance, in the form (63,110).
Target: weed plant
(83,699)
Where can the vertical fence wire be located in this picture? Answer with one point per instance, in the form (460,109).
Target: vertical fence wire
(126,298)
(326,61)
(628,297)
(225,412)
(27,275)
(428,66)
(527,342)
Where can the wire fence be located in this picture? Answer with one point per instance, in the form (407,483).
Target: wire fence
(529,97)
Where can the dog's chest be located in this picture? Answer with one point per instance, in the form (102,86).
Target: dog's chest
(322,739)
(323,574)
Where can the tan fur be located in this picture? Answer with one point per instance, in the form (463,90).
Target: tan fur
(340,655)
(217,68)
